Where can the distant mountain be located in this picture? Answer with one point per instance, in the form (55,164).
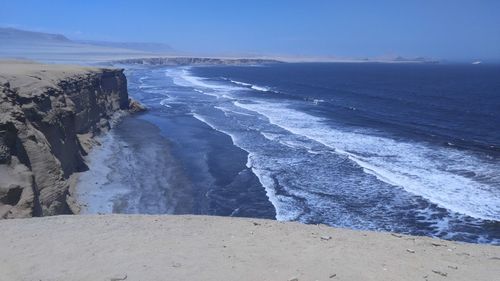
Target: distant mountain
(48,47)
(138,46)
(11,35)
(417,59)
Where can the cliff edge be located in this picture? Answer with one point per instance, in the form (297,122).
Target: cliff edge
(48,114)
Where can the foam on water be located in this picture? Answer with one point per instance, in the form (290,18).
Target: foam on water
(241,83)
(251,86)
(90,192)
(422,170)
(284,206)
(183,77)
(228,112)
(270,136)
(317,172)
(259,88)
(200,118)
(164,102)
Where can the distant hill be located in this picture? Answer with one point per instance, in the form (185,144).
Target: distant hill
(48,47)
(417,59)
(138,46)
(11,35)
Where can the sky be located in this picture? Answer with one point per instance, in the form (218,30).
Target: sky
(440,29)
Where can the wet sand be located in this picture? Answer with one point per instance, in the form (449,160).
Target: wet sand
(133,171)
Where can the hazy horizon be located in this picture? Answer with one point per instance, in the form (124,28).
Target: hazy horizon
(445,30)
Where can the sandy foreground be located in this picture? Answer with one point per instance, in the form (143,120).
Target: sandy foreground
(141,247)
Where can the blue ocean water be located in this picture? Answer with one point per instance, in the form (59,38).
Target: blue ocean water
(410,148)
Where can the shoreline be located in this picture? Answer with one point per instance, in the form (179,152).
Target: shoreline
(91,143)
(128,175)
(152,247)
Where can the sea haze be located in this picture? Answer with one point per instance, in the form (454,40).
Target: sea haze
(410,148)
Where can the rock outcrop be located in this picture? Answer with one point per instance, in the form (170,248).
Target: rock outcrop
(135,106)
(48,115)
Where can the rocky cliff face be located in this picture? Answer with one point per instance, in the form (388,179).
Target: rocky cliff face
(48,114)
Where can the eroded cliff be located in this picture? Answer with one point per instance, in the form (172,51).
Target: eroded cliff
(48,115)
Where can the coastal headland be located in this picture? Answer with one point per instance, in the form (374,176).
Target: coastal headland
(48,116)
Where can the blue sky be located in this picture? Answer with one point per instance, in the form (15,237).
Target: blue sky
(459,29)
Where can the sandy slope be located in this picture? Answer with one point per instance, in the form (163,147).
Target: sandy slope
(119,247)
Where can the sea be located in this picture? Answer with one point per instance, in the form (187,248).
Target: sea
(410,148)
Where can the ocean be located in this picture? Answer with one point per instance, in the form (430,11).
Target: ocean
(408,148)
